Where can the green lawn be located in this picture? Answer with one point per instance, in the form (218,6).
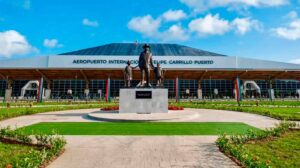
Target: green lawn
(138,128)
(279,152)
(13,153)
(283,113)
(6,113)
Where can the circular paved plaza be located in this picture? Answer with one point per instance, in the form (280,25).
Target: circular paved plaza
(142,151)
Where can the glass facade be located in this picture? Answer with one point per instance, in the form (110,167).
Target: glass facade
(2,87)
(211,89)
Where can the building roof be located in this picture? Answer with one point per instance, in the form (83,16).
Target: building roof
(130,49)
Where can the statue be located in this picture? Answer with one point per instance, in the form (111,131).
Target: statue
(159,75)
(145,63)
(128,74)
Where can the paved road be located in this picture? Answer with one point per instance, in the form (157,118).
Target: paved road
(143,151)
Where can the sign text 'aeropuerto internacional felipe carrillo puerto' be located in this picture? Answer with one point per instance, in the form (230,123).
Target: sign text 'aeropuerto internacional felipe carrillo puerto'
(119,62)
(103,61)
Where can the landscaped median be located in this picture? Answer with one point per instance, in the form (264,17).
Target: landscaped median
(18,150)
(282,113)
(276,147)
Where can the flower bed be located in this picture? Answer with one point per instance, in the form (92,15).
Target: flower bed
(175,108)
(113,108)
(41,149)
(234,146)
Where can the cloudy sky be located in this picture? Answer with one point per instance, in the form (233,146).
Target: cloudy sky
(262,29)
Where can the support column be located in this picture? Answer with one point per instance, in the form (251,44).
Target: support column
(86,90)
(40,90)
(271,91)
(177,90)
(210,89)
(48,90)
(297,90)
(107,93)
(44,94)
(238,89)
(199,92)
(8,90)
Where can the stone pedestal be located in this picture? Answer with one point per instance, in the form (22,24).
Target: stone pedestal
(143,100)
(8,94)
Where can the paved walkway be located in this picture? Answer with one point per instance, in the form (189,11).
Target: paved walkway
(143,151)
(60,116)
(188,115)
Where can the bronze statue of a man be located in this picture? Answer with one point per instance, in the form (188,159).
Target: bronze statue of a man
(128,74)
(145,63)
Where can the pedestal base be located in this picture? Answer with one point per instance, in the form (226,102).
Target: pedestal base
(143,100)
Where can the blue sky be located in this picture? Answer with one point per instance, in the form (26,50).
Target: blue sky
(248,28)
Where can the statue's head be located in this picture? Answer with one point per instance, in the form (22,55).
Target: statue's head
(128,62)
(146,47)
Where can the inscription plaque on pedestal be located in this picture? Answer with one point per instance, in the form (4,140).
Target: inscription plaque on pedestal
(143,94)
(143,100)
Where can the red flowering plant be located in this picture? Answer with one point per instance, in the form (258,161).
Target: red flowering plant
(172,107)
(113,108)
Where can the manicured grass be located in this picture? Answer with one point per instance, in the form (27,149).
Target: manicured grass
(138,128)
(255,102)
(12,153)
(283,151)
(6,113)
(283,113)
(35,103)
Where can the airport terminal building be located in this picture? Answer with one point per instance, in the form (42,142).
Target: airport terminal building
(191,73)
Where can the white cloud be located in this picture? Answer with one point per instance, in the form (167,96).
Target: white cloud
(209,25)
(174,15)
(292,15)
(295,61)
(291,31)
(149,27)
(14,43)
(145,25)
(52,43)
(175,33)
(202,5)
(214,25)
(90,23)
(244,25)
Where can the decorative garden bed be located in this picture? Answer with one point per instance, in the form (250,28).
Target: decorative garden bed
(24,151)
(276,147)
(175,107)
(116,108)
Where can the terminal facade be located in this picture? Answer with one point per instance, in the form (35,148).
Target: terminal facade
(190,73)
